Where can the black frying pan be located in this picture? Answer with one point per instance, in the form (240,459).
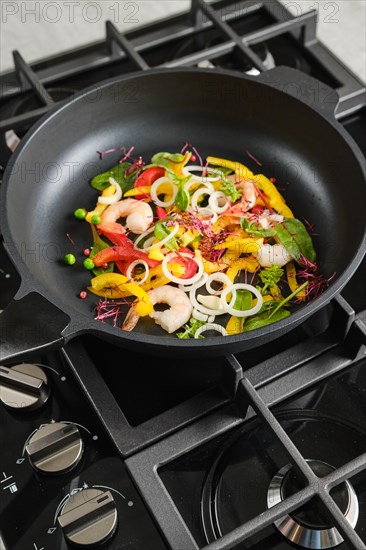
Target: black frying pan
(222,113)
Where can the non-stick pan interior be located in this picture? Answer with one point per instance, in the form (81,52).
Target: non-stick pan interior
(221,115)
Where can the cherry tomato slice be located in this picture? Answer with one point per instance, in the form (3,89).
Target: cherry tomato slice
(189,264)
(147,177)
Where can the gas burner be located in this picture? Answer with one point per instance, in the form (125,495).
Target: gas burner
(240,483)
(307,527)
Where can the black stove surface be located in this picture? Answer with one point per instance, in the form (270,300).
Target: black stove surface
(179,446)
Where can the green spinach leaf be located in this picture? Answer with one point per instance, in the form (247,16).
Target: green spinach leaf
(293,235)
(98,245)
(120,174)
(161,231)
(264,319)
(255,230)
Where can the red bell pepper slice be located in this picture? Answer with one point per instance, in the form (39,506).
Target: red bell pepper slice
(126,254)
(161,212)
(147,177)
(257,210)
(122,266)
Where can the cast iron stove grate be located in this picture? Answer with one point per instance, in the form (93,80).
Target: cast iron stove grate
(247,36)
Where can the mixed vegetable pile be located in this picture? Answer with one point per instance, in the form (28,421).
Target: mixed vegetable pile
(212,240)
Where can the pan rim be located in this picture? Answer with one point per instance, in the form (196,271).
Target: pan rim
(29,283)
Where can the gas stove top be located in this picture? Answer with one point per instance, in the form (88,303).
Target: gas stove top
(264,449)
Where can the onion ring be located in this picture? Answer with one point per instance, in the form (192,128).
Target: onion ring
(237,312)
(154,191)
(160,243)
(210,326)
(134,264)
(179,280)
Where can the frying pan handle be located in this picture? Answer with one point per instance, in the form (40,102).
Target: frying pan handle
(29,325)
(304,87)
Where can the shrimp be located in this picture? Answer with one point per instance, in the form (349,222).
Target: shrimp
(248,198)
(276,254)
(250,194)
(267,220)
(171,319)
(138,216)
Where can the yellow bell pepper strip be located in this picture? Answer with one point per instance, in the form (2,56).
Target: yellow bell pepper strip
(102,284)
(234,325)
(266,298)
(155,278)
(156,254)
(99,209)
(276,293)
(259,202)
(249,264)
(145,189)
(171,162)
(243,302)
(237,247)
(177,270)
(147,177)
(213,267)
(164,189)
(292,281)
(275,199)
(188,236)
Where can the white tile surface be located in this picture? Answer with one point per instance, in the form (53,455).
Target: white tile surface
(42,28)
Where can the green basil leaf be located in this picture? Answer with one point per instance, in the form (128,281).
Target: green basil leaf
(293,235)
(98,245)
(224,170)
(263,319)
(161,231)
(230,190)
(119,173)
(167,160)
(182,198)
(255,230)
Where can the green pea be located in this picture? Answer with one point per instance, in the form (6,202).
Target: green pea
(88,263)
(96,220)
(69,259)
(80,213)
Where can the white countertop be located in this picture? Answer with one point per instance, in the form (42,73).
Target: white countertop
(39,29)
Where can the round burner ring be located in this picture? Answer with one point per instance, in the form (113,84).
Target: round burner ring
(303,535)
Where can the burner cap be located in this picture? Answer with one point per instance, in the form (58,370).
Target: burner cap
(308,527)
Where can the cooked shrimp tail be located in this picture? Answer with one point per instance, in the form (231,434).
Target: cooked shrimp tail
(131,319)
(172,318)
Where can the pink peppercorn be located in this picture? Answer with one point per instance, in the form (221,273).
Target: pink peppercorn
(86,252)
(83,294)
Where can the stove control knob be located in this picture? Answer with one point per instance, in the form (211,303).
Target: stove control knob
(23,387)
(89,517)
(55,448)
